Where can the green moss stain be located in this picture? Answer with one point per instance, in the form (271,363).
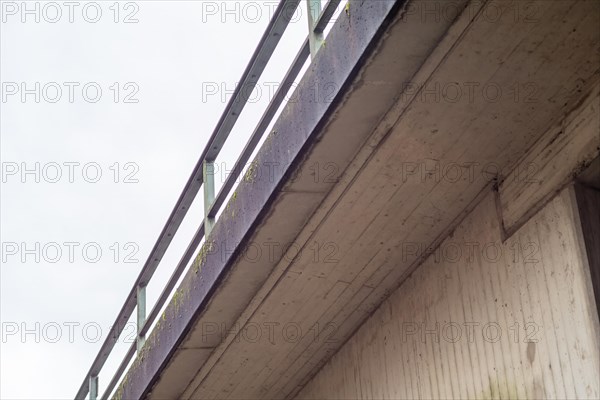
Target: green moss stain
(251,173)
(499,390)
(177,299)
(200,260)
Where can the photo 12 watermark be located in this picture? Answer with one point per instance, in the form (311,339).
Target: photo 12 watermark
(69,172)
(469,332)
(473,251)
(248,11)
(269,171)
(62,332)
(327,252)
(89,92)
(266,332)
(469,92)
(464,171)
(71,252)
(269,332)
(493,12)
(222,92)
(70,12)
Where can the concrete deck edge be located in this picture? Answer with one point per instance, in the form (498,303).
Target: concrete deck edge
(351,40)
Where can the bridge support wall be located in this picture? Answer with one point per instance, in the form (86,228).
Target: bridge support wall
(503,308)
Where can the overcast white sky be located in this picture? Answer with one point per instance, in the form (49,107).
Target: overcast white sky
(157,64)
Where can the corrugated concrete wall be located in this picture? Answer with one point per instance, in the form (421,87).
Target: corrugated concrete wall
(481,318)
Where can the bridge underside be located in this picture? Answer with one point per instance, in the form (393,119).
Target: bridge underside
(428,110)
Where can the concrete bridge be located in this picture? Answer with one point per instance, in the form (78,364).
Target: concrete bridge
(422,222)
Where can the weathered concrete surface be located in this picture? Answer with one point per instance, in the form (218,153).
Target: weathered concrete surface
(477,326)
(338,172)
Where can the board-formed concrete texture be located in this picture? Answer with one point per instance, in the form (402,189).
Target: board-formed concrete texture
(404,122)
(481,324)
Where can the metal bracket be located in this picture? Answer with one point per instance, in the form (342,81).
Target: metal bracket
(141,316)
(208,175)
(93,387)
(315,38)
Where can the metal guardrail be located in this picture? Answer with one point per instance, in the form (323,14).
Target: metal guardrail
(202,175)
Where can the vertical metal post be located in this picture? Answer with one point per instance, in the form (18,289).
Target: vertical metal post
(208,174)
(141,316)
(315,39)
(93,387)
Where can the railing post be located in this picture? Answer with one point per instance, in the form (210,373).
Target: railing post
(315,39)
(141,316)
(93,387)
(208,174)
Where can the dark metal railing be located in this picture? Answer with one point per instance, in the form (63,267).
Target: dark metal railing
(202,175)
